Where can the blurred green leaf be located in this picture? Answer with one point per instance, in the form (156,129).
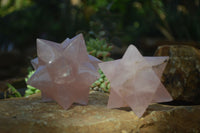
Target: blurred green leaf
(13,91)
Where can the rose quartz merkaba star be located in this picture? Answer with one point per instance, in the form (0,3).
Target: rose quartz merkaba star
(135,81)
(64,72)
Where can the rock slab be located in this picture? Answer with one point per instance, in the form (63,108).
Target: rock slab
(182,73)
(24,115)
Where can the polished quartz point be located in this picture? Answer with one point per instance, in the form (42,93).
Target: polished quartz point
(64,72)
(135,81)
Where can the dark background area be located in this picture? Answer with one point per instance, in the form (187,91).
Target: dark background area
(146,24)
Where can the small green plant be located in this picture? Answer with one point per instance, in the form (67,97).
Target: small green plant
(102,84)
(99,48)
(12,91)
(30,89)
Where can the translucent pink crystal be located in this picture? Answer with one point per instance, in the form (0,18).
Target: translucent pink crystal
(135,81)
(64,72)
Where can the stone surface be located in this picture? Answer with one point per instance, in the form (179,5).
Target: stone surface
(64,72)
(135,81)
(182,74)
(22,115)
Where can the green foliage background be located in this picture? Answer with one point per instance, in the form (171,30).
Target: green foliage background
(120,22)
(21,21)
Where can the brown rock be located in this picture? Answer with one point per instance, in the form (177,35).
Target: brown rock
(182,74)
(22,115)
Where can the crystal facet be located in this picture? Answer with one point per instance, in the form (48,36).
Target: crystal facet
(64,72)
(135,81)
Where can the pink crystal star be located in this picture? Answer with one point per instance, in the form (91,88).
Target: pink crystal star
(64,72)
(135,81)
